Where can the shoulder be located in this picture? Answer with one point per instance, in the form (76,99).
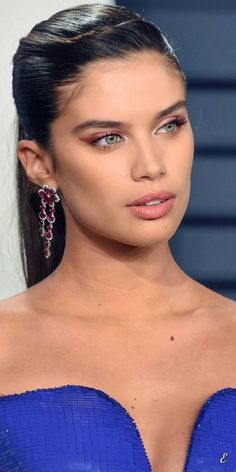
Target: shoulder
(14,307)
(19,331)
(208,297)
(17,320)
(211,308)
(223,314)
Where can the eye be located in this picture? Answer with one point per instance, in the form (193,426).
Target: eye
(106,141)
(172,126)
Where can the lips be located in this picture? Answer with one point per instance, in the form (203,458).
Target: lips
(163,195)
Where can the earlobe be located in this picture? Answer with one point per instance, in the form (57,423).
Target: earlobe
(35,161)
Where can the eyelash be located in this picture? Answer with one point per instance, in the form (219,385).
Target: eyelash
(177,121)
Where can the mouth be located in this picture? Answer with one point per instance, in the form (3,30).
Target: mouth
(153,199)
(153,209)
(151,203)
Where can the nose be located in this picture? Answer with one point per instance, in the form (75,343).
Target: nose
(148,163)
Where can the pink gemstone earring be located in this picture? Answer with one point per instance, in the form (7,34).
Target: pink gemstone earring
(48,196)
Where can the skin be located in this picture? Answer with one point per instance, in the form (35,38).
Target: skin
(102,232)
(118,310)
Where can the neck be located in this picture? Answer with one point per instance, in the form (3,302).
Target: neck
(117,278)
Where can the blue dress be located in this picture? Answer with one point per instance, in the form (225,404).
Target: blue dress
(76,428)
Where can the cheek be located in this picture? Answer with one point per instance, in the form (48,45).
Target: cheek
(180,170)
(90,193)
(187,166)
(87,185)
(184,151)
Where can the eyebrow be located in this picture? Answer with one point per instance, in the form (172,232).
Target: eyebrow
(114,124)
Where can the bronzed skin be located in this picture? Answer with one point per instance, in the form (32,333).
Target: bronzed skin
(118,313)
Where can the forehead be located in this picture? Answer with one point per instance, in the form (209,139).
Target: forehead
(140,80)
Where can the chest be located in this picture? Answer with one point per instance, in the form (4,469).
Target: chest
(163,393)
(163,413)
(165,424)
(86,428)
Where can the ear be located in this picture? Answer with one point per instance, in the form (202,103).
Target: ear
(37,163)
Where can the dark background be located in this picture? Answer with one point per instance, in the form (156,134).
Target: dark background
(203,34)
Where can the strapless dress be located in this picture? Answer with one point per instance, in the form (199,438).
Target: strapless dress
(77,428)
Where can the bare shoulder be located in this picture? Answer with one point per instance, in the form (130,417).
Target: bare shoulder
(12,307)
(16,319)
(224,312)
(19,332)
(216,309)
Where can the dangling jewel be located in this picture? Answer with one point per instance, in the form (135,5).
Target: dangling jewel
(48,196)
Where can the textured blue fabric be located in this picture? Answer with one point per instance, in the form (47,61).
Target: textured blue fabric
(76,428)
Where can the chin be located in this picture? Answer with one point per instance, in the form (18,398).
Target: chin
(146,242)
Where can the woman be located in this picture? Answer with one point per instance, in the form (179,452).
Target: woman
(113,359)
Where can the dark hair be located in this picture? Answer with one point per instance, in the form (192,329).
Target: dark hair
(54,53)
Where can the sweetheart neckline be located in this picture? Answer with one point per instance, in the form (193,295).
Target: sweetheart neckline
(200,414)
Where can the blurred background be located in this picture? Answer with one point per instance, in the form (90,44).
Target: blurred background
(203,33)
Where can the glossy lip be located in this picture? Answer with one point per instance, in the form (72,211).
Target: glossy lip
(151,212)
(162,195)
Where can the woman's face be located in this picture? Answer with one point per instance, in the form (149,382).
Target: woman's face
(102,168)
